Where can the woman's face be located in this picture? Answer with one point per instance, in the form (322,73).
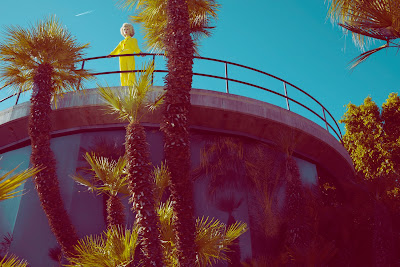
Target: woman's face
(126,30)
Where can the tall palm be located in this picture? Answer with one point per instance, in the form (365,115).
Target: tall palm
(173,26)
(377,19)
(108,177)
(42,58)
(131,105)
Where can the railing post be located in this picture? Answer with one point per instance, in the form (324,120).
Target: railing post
(286,96)
(326,123)
(19,93)
(226,78)
(154,63)
(79,82)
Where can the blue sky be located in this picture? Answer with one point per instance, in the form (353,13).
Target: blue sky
(290,39)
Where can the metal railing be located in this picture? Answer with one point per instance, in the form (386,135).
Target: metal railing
(322,114)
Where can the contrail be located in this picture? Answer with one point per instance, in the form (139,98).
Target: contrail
(84,13)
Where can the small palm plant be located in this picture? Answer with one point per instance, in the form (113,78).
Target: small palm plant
(132,105)
(116,247)
(108,177)
(42,58)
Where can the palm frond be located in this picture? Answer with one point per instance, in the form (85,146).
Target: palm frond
(114,247)
(213,240)
(109,176)
(131,104)
(153,16)
(162,177)
(377,19)
(46,42)
(361,58)
(12,261)
(9,182)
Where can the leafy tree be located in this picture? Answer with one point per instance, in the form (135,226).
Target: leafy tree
(42,58)
(131,105)
(373,141)
(373,137)
(376,19)
(169,27)
(108,177)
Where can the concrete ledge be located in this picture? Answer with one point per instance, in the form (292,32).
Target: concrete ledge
(210,110)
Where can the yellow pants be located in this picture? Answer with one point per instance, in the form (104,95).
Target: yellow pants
(127,63)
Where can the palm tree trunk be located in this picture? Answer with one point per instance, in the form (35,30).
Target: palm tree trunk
(43,157)
(115,211)
(141,188)
(178,82)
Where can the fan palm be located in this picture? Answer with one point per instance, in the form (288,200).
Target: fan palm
(212,237)
(108,177)
(131,105)
(377,19)
(115,247)
(42,58)
(174,26)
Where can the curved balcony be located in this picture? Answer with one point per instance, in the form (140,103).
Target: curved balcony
(298,101)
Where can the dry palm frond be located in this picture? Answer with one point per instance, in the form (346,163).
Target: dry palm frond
(131,104)
(111,174)
(377,19)
(9,182)
(115,247)
(361,58)
(46,42)
(12,261)
(153,16)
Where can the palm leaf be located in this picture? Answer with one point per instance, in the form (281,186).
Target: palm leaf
(114,247)
(131,104)
(109,176)
(12,261)
(361,58)
(153,16)
(213,240)
(162,178)
(10,182)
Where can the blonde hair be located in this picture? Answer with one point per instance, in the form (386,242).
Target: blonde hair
(131,32)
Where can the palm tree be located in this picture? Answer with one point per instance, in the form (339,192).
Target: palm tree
(376,19)
(109,177)
(174,26)
(131,105)
(42,58)
(116,247)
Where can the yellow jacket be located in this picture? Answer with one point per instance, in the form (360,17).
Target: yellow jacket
(127,46)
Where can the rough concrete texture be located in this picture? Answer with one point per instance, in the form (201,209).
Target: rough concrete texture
(211,110)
